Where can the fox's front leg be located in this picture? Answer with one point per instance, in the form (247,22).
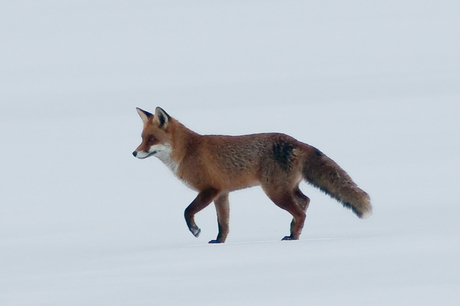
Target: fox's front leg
(203,199)
(223,214)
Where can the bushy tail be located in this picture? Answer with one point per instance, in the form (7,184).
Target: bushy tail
(322,172)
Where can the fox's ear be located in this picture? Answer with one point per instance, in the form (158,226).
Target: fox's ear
(161,117)
(143,114)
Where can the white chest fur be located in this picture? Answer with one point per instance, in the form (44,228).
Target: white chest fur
(163,152)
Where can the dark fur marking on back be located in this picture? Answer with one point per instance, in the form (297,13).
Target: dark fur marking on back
(283,153)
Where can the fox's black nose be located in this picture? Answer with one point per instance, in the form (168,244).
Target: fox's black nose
(135,153)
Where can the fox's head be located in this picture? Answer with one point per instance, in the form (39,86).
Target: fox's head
(156,141)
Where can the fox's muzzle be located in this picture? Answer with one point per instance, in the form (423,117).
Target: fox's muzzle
(143,154)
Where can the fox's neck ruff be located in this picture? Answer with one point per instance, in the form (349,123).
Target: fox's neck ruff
(164,154)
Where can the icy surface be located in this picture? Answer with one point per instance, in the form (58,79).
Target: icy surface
(373,84)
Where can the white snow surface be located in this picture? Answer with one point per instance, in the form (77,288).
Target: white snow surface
(375,85)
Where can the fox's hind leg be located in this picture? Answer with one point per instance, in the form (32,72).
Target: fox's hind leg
(203,199)
(287,201)
(223,216)
(302,200)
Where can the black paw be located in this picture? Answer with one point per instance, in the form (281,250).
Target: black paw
(287,238)
(195,231)
(215,241)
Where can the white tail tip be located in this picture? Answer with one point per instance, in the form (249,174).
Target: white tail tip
(367,215)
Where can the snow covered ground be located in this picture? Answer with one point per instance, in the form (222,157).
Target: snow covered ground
(373,84)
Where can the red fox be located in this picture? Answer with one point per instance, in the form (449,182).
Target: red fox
(215,165)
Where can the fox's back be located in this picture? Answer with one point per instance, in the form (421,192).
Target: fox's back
(235,162)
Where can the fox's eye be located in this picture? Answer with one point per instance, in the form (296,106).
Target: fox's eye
(151,139)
